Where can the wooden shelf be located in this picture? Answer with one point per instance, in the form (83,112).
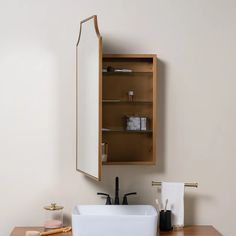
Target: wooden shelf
(123,101)
(126,131)
(128,163)
(127,73)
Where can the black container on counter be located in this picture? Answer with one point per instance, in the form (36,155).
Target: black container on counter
(165,220)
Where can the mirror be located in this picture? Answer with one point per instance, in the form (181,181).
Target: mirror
(89,98)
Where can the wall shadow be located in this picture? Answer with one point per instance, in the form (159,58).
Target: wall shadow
(161,116)
(110,47)
(191,206)
(190,202)
(113,44)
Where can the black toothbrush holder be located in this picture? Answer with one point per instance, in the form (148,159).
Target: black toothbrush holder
(165,220)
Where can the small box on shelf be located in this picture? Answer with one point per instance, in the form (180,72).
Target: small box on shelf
(136,123)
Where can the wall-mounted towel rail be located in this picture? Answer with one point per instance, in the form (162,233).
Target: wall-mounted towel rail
(194,185)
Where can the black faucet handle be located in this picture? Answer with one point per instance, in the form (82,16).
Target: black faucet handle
(125,201)
(108,201)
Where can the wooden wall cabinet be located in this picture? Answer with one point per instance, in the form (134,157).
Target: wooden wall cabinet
(103,105)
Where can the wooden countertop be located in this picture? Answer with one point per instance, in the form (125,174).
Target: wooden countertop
(200,230)
(187,231)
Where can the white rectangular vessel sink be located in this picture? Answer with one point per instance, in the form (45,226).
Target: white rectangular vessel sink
(114,220)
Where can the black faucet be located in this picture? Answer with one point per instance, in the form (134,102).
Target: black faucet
(125,201)
(108,201)
(117,202)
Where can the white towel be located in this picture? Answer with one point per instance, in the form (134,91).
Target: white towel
(174,192)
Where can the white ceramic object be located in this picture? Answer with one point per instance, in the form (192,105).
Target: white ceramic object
(114,220)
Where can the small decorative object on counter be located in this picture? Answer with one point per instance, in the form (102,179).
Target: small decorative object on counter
(50,232)
(131,95)
(104,152)
(53,216)
(165,220)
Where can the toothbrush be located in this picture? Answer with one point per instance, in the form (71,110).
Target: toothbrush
(166,204)
(158,205)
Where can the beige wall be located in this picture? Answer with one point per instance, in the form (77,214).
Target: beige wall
(195,43)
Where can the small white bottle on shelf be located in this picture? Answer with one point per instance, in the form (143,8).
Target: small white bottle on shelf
(131,95)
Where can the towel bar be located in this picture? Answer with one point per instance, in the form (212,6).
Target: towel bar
(194,185)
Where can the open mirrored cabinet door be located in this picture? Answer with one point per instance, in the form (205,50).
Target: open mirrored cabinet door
(89,99)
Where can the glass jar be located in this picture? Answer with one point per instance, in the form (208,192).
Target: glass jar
(53,216)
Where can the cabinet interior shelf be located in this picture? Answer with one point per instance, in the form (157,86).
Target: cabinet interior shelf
(123,101)
(128,163)
(127,73)
(124,130)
